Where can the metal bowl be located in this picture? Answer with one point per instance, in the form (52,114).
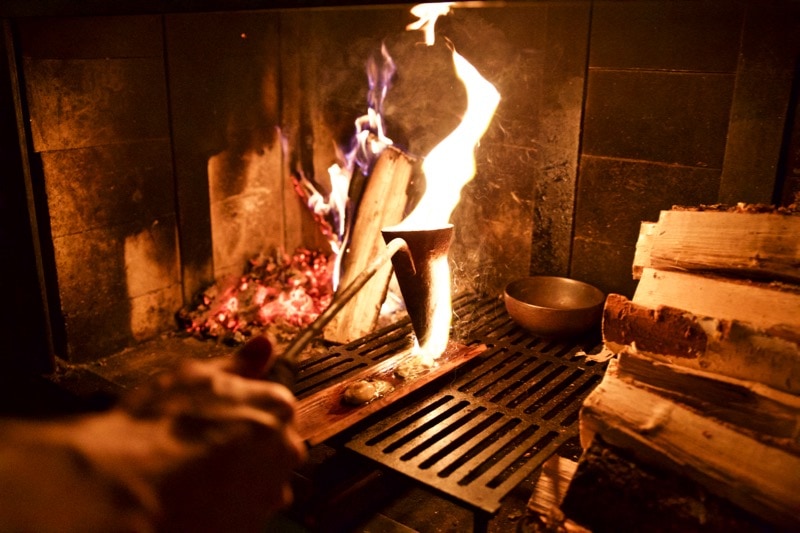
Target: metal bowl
(552,306)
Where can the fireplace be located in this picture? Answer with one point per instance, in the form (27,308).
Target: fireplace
(159,147)
(150,152)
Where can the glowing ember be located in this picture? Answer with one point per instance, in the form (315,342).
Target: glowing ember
(281,293)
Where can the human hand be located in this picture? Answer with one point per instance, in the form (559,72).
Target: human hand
(203,448)
(233,443)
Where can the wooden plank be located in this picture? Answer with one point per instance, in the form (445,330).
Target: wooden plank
(760,478)
(762,305)
(745,244)
(382,204)
(767,415)
(323,414)
(731,348)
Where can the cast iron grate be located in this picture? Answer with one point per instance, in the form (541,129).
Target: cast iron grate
(486,427)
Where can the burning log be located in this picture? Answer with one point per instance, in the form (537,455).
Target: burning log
(707,380)
(382,203)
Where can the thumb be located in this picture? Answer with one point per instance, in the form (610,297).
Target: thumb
(254,359)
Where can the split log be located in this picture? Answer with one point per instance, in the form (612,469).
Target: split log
(762,305)
(754,245)
(551,486)
(733,348)
(382,203)
(612,490)
(760,478)
(767,415)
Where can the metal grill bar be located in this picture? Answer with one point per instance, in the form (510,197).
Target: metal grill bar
(482,433)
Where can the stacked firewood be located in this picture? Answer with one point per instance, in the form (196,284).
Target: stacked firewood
(706,375)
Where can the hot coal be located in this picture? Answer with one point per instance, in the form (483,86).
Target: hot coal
(278,294)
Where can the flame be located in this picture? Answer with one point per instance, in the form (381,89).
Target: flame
(451,164)
(428,14)
(448,167)
(367,144)
(440,311)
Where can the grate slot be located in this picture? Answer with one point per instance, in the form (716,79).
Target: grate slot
(495,457)
(524,468)
(580,388)
(521,459)
(487,377)
(571,412)
(408,421)
(480,446)
(441,432)
(526,380)
(556,383)
(497,420)
(329,375)
(427,423)
(388,348)
(461,438)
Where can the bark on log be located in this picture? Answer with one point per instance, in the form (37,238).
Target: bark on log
(732,348)
(382,204)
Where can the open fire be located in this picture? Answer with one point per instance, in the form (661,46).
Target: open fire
(309,278)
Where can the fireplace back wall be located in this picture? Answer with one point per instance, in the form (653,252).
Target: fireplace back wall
(162,145)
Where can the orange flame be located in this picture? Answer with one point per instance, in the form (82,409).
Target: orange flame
(448,167)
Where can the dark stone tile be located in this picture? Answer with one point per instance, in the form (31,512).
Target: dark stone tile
(666,35)
(676,118)
(93,266)
(108,185)
(90,37)
(790,192)
(492,222)
(761,104)
(100,274)
(559,137)
(606,266)
(80,103)
(527,161)
(93,292)
(614,198)
(94,333)
(516,217)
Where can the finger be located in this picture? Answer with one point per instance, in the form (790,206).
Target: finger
(254,359)
(271,397)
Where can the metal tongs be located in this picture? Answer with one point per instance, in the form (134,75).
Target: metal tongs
(285,369)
